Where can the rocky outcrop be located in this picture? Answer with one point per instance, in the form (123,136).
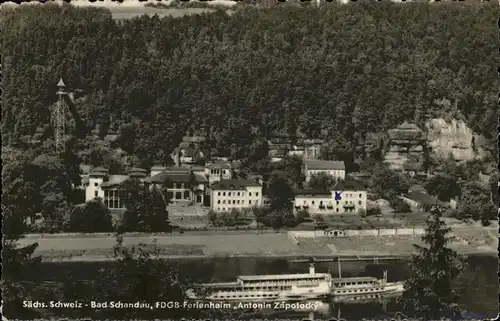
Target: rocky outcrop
(445,137)
(406,142)
(440,138)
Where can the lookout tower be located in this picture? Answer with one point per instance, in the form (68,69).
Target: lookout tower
(59,118)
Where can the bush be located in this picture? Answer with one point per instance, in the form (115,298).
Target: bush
(302,215)
(373,211)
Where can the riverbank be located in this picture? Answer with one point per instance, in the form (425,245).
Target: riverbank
(87,248)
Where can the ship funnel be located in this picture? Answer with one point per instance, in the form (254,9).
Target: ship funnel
(311,269)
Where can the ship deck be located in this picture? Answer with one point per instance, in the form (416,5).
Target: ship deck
(355,279)
(277,277)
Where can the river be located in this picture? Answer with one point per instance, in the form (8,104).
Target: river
(478,286)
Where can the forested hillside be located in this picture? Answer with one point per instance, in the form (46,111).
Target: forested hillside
(339,71)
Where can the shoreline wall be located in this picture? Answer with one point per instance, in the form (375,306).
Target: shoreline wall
(349,233)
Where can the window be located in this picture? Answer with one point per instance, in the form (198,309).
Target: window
(257,194)
(224,202)
(96,184)
(238,193)
(96,193)
(337,210)
(359,195)
(312,202)
(178,195)
(218,202)
(218,194)
(234,202)
(359,203)
(337,202)
(249,193)
(238,202)
(229,194)
(224,194)
(249,202)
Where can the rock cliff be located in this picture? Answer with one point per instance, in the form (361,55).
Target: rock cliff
(440,137)
(445,137)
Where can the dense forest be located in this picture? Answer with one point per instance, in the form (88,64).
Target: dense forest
(337,71)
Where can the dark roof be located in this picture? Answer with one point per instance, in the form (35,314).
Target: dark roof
(348,185)
(422,198)
(99,172)
(115,180)
(174,177)
(311,192)
(234,184)
(219,165)
(137,174)
(324,165)
(200,178)
(177,170)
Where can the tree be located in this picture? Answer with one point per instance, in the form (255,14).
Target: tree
(302,215)
(145,209)
(362,213)
(280,193)
(475,203)
(373,211)
(493,182)
(320,222)
(443,186)
(17,263)
(322,182)
(399,206)
(338,148)
(138,274)
(428,292)
(92,217)
(213,218)
(388,183)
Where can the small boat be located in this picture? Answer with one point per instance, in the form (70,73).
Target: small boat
(267,288)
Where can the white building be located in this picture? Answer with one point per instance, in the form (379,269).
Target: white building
(235,194)
(351,198)
(335,169)
(218,171)
(107,187)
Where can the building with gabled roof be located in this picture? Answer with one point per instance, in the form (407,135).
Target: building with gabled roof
(229,194)
(345,197)
(335,169)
